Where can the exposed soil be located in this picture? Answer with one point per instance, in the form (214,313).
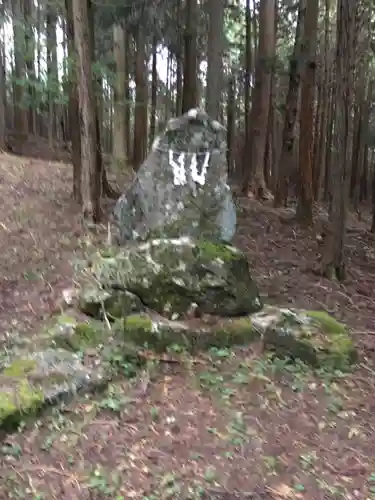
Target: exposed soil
(229,425)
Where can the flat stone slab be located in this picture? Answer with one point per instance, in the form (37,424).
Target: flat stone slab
(34,380)
(315,337)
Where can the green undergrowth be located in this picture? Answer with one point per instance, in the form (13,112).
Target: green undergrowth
(237,383)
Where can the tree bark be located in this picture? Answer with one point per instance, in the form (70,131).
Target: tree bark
(256,142)
(73,106)
(52,72)
(334,263)
(119,131)
(91,185)
(304,213)
(141,101)
(214,57)
(291,111)
(190,89)
(20,112)
(154,95)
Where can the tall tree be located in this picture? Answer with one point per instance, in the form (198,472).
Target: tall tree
(52,71)
(179,57)
(190,89)
(321,142)
(100,180)
(20,112)
(306,141)
(73,106)
(119,132)
(91,185)
(2,83)
(215,57)
(248,80)
(257,139)
(28,6)
(334,264)
(291,111)
(154,90)
(141,101)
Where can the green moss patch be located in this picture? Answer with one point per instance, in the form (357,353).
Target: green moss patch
(73,331)
(143,331)
(212,251)
(20,368)
(34,380)
(238,331)
(328,323)
(18,399)
(315,337)
(84,335)
(160,334)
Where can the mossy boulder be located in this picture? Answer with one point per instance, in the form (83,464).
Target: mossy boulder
(315,337)
(31,381)
(172,276)
(159,333)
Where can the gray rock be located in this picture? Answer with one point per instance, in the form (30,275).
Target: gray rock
(173,276)
(195,335)
(181,189)
(314,337)
(31,381)
(95,302)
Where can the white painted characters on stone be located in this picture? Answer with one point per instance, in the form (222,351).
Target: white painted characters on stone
(178,167)
(193,113)
(179,170)
(199,178)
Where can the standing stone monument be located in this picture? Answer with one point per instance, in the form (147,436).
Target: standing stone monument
(181,188)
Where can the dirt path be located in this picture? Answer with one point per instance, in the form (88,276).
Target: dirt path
(230,425)
(39,233)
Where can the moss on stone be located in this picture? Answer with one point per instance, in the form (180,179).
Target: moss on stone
(115,303)
(20,368)
(328,323)
(238,331)
(139,322)
(159,335)
(214,251)
(89,334)
(85,335)
(60,324)
(138,329)
(322,342)
(121,304)
(66,319)
(91,300)
(240,324)
(168,275)
(143,331)
(17,401)
(338,349)
(167,297)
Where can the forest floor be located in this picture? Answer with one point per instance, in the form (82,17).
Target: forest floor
(230,425)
